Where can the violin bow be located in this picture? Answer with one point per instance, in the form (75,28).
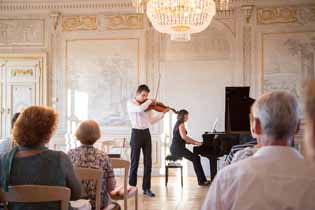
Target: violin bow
(158,86)
(158,90)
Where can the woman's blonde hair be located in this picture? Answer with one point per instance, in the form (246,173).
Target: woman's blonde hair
(88,132)
(35,126)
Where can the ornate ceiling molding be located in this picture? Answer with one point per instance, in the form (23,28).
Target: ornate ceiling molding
(286,14)
(119,22)
(14,5)
(78,23)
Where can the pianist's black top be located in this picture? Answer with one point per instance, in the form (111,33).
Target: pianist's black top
(177,141)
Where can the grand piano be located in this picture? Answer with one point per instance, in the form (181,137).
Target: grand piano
(237,127)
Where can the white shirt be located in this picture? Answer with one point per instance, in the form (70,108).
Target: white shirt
(243,154)
(141,119)
(5,146)
(274,178)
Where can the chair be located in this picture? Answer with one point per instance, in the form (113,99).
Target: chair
(96,175)
(124,164)
(172,162)
(116,143)
(36,194)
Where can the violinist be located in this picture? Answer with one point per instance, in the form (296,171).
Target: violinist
(141,119)
(178,148)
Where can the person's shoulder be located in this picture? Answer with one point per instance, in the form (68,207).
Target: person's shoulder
(237,169)
(131,102)
(101,154)
(73,151)
(180,124)
(59,154)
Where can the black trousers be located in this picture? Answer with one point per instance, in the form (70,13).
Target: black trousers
(194,158)
(141,139)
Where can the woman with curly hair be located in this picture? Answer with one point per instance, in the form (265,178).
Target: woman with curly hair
(31,163)
(87,156)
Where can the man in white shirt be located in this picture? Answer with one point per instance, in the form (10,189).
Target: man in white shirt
(141,120)
(7,144)
(276,176)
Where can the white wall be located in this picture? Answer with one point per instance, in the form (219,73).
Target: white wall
(198,87)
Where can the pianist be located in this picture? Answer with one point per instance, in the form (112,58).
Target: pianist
(180,138)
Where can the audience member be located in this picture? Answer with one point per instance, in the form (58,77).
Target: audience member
(7,144)
(276,176)
(87,156)
(31,163)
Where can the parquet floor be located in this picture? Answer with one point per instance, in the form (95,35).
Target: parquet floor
(174,197)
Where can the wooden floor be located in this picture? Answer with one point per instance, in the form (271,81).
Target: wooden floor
(174,197)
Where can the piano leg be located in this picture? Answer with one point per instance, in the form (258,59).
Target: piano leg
(213,166)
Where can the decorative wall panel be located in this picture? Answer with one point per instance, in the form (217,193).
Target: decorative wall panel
(19,32)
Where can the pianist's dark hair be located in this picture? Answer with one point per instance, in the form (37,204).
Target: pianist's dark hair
(181,115)
(143,87)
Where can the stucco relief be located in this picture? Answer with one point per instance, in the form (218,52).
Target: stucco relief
(117,22)
(212,44)
(102,80)
(79,23)
(293,14)
(21,32)
(22,72)
(288,59)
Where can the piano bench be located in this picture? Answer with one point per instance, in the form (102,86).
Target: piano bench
(173,162)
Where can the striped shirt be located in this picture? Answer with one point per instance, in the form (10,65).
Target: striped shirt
(237,148)
(243,154)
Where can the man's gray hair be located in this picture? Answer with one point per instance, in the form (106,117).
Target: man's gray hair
(278,114)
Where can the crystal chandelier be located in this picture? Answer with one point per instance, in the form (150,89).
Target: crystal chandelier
(180,18)
(223,4)
(140,5)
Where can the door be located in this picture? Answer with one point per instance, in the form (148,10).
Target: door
(22,86)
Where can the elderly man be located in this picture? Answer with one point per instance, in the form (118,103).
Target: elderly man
(276,176)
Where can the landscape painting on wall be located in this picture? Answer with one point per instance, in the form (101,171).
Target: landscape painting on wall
(287,60)
(102,75)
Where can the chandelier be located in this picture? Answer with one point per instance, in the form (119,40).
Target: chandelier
(180,18)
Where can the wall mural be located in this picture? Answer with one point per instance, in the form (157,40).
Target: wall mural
(102,77)
(288,59)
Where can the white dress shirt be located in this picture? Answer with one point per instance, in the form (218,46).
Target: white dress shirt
(5,146)
(141,119)
(274,178)
(244,154)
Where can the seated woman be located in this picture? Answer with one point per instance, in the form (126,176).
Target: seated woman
(31,163)
(87,156)
(178,148)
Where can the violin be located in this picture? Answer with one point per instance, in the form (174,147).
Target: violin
(160,107)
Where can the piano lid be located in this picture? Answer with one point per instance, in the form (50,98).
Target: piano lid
(237,109)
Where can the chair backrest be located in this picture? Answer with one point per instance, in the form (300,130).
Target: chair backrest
(36,194)
(119,143)
(95,175)
(122,164)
